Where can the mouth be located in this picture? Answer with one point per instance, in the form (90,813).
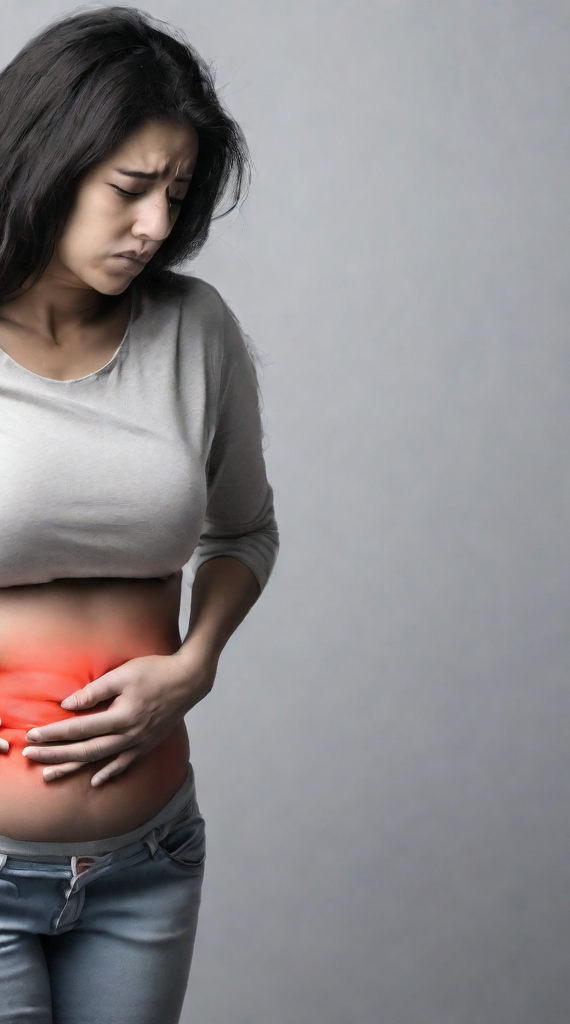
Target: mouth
(128,263)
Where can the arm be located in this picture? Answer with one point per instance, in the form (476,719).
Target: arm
(223,593)
(240,518)
(239,541)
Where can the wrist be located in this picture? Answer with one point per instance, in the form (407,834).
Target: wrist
(196,658)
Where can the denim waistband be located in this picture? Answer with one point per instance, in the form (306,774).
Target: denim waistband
(172,811)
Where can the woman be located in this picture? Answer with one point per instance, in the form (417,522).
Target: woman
(130,444)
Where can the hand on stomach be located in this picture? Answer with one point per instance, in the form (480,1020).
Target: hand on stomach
(54,639)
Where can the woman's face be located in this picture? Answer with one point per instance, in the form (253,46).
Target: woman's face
(126,203)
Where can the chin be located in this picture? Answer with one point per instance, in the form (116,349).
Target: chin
(116,288)
(110,284)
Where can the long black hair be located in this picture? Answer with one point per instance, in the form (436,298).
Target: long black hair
(69,97)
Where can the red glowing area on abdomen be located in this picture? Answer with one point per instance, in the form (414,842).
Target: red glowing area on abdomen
(29,700)
(31,697)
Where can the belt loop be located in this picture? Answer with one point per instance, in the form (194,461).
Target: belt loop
(3,859)
(151,841)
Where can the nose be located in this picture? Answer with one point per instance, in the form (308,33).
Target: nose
(153,221)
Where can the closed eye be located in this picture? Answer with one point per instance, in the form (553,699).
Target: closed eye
(123,192)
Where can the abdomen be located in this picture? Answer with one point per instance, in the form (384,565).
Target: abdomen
(55,638)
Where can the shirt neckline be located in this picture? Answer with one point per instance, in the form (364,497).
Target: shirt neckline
(94,373)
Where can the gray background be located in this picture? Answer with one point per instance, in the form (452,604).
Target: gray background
(384,761)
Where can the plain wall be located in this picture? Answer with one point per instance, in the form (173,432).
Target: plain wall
(383,763)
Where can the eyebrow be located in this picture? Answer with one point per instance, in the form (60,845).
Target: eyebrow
(149,176)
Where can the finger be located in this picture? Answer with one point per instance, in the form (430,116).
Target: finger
(4,746)
(103,688)
(62,769)
(115,767)
(92,750)
(82,727)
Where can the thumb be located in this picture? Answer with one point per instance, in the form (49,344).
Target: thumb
(103,688)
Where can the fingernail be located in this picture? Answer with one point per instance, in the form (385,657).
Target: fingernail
(69,703)
(97,780)
(35,734)
(49,773)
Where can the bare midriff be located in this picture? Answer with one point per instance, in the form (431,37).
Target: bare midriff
(54,639)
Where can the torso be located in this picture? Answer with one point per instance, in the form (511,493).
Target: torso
(57,636)
(54,638)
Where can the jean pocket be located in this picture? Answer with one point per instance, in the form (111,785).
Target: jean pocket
(186,845)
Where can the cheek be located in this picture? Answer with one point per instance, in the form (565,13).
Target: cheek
(90,231)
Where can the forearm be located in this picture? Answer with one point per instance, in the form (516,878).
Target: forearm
(223,592)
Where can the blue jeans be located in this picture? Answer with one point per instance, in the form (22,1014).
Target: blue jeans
(102,937)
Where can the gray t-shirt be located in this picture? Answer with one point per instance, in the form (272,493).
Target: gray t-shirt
(152,462)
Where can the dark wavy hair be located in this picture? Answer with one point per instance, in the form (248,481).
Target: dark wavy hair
(69,97)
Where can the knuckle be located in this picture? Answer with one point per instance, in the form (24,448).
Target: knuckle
(79,728)
(92,751)
(90,694)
